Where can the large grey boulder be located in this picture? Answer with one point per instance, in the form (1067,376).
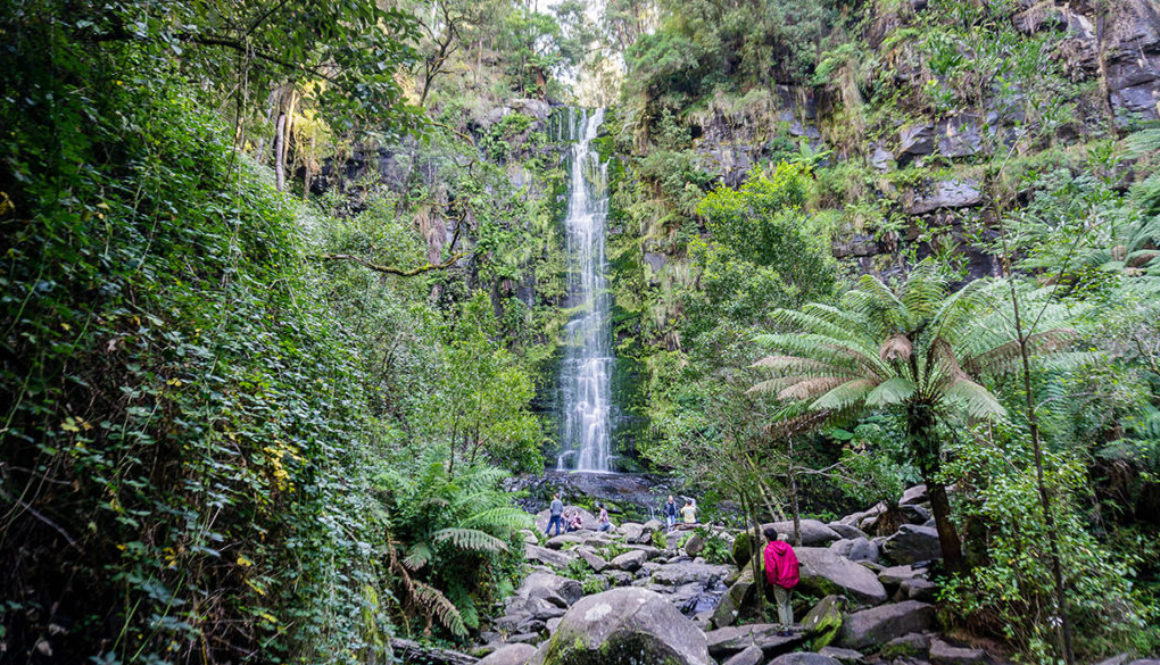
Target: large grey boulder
(822,623)
(741,598)
(554,558)
(629,561)
(677,574)
(628,626)
(893,576)
(813,532)
(912,543)
(563,541)
(942,653)
(856,549)
(509,654)
(878,625)
(726,641)
(913,495)
(824,573)
(803,659)
(752,655)
(844,656)
(596,562)
(694,545)
(847,531)
(635,533)
(544,585)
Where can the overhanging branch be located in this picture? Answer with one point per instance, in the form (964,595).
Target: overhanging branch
(391,270)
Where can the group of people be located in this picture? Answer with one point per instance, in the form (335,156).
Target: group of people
(778,557)
(573,520)
(688,512)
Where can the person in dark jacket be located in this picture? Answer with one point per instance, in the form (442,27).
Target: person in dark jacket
(781,571)
(556,515)
(670,512)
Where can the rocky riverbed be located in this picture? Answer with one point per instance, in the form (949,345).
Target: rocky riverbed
(645,595)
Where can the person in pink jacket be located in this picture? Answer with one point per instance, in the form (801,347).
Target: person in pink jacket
(781,571)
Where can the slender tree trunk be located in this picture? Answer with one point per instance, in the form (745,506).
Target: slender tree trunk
(797,518)
(279,167)
(1064,626)
(924,444)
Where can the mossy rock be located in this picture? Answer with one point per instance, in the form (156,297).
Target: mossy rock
(823,622)
(744,547)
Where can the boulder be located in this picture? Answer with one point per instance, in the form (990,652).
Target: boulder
(914,514)
(618,577)
(813,532)
(626,626)
(629,561)
(878,625)
(596,562)
(912,543)
(538,585)
(726,641)
(653,525)
(822,623)
(893,576)
(845,656)
(942,653)
(847,531)
(509,654)
(694,545)
(917,588)
(914,495)
(544,555)
(912,645)
(752,655)
(803,659)
(676,574)
(857,549)
(562,541)
(824,572)
(635,533)
(741,597)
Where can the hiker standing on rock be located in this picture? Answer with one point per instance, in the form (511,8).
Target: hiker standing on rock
(781,571)
(670,512)
(556,515)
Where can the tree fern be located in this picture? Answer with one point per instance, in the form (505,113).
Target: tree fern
(471,540)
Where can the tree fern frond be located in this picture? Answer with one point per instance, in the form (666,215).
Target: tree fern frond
(777,363)
(433,602)
(803,388)
(978,401)
(890,392)
(418,556)
(500,517)
(472,540)
(844,396)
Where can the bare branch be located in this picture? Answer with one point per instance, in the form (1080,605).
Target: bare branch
(391,270)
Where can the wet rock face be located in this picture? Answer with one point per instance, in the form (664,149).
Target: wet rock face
(628,626)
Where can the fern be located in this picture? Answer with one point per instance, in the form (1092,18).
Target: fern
(471,540)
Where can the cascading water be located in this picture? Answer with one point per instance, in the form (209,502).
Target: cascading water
(586,375)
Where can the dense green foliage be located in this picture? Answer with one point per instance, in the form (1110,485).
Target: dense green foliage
(284,290)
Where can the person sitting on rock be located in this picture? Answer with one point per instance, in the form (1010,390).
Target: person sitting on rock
(605,524)
(575,522)
(689,513)
(556,515)
(670,512)
(781,571)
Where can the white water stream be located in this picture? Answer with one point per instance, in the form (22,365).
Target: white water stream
(586,374)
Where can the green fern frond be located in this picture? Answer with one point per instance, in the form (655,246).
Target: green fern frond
(471,540)
(501,517)
(844,396)
(418,555)
(895,390)
(979,402)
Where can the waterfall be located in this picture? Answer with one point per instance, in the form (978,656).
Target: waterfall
(586,374)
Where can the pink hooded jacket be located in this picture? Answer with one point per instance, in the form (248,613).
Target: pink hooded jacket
(781,565)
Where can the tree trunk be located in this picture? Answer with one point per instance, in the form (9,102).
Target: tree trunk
(948,537)
(797,517)
(279,166)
